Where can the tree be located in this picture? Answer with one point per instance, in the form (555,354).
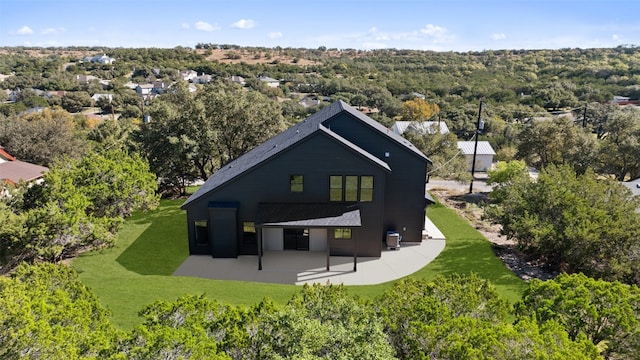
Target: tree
(463,317)
(418,110)
(607,313)
(48,313)
(80,204)
(241,119)
(75,101)
(504,174)
(557,141)
(42,137)
(620,145)
(442,150)
(191,136)
(576,223)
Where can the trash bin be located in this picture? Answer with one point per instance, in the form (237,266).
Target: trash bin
(393,240)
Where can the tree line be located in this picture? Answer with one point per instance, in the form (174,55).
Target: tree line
(49,313)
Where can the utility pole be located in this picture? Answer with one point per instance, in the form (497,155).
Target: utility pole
(475,148)
(584,116)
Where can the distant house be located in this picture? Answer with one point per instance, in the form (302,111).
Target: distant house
(202,79)
(188,75)
(336,182)
(144,89)
(102,59)
(484,154)
(160,87)
(238,80)
(271,82)
(14,171)
(85,79)
(421,127)
(97,97)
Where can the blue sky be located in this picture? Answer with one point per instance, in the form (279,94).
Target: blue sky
(457,25)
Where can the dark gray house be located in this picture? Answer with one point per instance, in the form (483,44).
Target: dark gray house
(335,182)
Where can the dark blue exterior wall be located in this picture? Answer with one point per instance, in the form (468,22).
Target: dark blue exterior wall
(405,186)
(316,158)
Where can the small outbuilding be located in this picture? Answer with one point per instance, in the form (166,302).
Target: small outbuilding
(484,154)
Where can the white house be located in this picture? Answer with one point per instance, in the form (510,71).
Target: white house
(97,97)
(271,82)
(484,154)
(422,127)
(188,75)
(102,59)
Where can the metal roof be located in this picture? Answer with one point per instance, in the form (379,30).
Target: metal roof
(293,135)
(422,127)
(16,171)
(484,148)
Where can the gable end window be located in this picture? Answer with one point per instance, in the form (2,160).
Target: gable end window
(351,188)
(335,188)
(296,183)
(366,188)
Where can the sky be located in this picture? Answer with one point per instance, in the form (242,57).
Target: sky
(445,25)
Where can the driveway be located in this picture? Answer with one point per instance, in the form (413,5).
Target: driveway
(479,184)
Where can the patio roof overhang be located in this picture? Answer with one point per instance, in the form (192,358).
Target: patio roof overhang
(308,215)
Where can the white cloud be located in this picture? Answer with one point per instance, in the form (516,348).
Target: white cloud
(25,30)
(275,35)
(500,36)
(244,24)
(50,31)
(205,26)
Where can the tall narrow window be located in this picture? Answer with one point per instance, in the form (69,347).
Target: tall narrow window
(297,183)
(335,188)
(366,188)
(340,233)
(351,188)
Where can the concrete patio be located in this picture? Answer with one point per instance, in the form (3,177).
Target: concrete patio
(300,267)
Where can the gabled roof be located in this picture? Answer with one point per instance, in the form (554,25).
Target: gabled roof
(484,148)
(293,135)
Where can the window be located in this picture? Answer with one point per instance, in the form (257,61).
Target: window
(297,183)
(366,188)
(249,233)
(351,188)
(335,188)
(202,232)
(248,227)
(341,233)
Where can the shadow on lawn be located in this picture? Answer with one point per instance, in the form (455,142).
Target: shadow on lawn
(162,247)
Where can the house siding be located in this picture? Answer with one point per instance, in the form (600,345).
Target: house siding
(405,187)
(316,158)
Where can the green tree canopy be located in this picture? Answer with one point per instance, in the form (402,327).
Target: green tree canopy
(574,222)
(607,313)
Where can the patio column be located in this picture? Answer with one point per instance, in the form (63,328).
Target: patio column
(328,249)
(355,254)
(259,237)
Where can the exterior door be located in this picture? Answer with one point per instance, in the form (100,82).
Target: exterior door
(296,239)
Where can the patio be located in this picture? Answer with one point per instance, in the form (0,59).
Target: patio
(307,267)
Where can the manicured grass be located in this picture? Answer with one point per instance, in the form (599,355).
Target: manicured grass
(466,251)
(137,270)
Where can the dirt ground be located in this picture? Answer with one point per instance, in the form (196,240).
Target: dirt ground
(470,207)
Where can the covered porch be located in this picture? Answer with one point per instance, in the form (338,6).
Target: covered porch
(309,267)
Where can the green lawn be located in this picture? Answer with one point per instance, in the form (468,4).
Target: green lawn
(137,270)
